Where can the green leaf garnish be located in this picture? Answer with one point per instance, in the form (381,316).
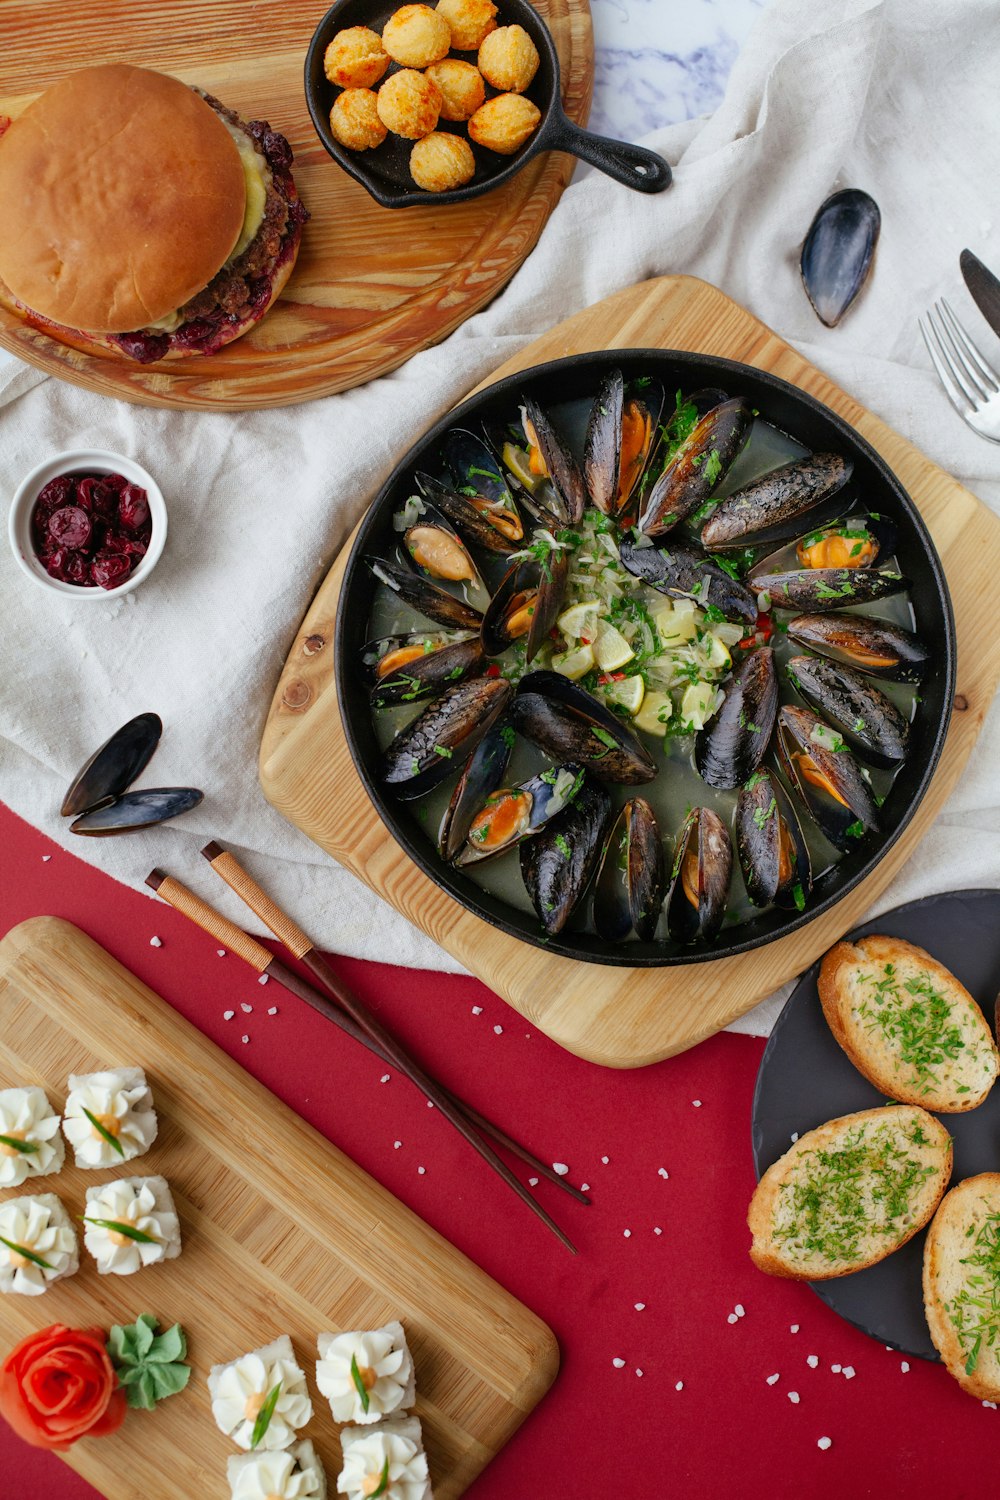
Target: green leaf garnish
(970,1363)
(264,1416)
(25,1147)
(383,1481)
(359,1384)
(150,1366)
(36,1260)
(112,1140)
(128,1230)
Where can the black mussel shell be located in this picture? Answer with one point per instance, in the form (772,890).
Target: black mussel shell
(775,499)
(569,724)
(852,704)
(429,673)
(375,651)
(534,802)
(430,748)
(475,467)
(422,595)
(137,810)
(699,880)
(698,467)
(827,778)
(733,744)
(706,399)
(631,881)
(827,588)
(773,854)
(562,468)
(111,770)
(837,252)
(494,525)
(484,771)
(683,572)
(556,866)
(874,647)
(622,435)
(527,601)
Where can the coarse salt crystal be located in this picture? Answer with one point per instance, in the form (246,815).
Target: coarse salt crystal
(498,1031)
(560,1168)
(584,1187)
(221,952)
(605,1159)
(385,1078)
(793,1397)
(46,858)
(430,1104)
(991,1404)
(421,1171)
(272,1010)
(396,1145)
(263,978)
(835,1369)
(532,1181)
(794,1328)
(740,1310)
(657,1230)
(795,1136)
(812,1360)
(823,1443)
(477,1010)
(662,1172)
(227,1015)
(773,1379)
(732,1318)
(640,1306)
(627,1233)
(155,942)
(619,1364)
(244,1040)
(679,1386)
(245,1007)
(848,1372)
(639,1373)
(904,1365)
(696,1103)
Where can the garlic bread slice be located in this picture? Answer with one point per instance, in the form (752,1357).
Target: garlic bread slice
(962,1284)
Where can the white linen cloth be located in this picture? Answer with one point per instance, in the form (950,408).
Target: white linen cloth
(894,96)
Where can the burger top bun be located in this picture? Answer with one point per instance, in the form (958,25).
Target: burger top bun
(123,194)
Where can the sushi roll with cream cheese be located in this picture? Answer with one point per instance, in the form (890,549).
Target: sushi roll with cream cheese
(131,1223)
(38,1244)
(366,1376)
(262,1394)
(30,1143)
(109,1117)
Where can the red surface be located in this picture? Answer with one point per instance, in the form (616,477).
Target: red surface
(602,1432)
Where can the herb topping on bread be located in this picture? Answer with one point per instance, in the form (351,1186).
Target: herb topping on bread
(962,1284)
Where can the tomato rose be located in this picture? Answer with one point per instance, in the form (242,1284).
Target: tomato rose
(59,1385)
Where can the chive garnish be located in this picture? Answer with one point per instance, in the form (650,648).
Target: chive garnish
(25,1147)
(383,1482)
(112,1140)
(36,1260)
(359,1384)
(128,1230)
(264,1416)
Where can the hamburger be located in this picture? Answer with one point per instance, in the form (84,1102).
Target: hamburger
(141,217)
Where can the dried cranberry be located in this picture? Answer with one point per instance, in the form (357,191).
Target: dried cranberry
(260,293)
(194,334)
(55,561)
(258,129)
(58,491)
(77,569)
(108,571)
(133,507)
(70,526)
(143,347)
(277,150)
(116,482)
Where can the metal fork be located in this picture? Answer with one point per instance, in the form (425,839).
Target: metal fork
(971,383)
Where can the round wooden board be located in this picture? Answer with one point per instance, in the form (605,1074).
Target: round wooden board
(372,285)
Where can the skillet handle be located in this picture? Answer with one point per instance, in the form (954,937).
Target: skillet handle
(634,166)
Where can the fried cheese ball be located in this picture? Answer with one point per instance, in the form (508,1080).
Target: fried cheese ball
(416,36)
(508,59)
(409,104)
(504,124)
(470,21)
(354,120)
(441,161)
(461,85)
(355,59)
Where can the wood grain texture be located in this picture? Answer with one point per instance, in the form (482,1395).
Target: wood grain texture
(372,285)
(281,1234)
(629,1017)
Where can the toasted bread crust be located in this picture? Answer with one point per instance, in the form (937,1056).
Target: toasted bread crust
(834,994)
(769,1257)
(945,1245)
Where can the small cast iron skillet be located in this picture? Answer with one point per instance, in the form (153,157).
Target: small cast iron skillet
(385,171)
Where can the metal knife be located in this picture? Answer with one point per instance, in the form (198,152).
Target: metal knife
(984,286)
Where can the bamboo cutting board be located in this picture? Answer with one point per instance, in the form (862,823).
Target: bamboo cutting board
(280,1234)
(372,285)
(628,1017)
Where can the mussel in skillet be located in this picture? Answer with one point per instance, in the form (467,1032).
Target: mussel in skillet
(426,751)
(557,865)
(483,772)
(775,499)
(875,647)
(569,724)
(427,598)
(734,742)
(682,572)
(772,851)
(551,460)
(628,893)
(483,508)
(527,601)
(622,435)
(852,704)
(436,550)
(512,814)
(698,467)
(827,778)
(409,669)
(699,881)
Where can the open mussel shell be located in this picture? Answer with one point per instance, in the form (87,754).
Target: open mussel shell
(561,468)
(683,572)
(733,743)
(385,653)
(698,467)
(569,724)
(853,704)
(484,771)
(137,810)
(429,749)
(427,598)
(772,851)
(827,588)
(699,881)
(435,548)
(828,779)
(480,478)
(875,647)
(512,814)
(430,672)
(622,435)
(494,525)
(631,881)
(837,252)
(556,865)
(527,601)
(768,504)
(111,770)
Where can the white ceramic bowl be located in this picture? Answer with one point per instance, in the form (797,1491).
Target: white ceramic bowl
(81,461)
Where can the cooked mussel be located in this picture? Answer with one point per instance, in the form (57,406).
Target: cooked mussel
(824,773)
(111,770)
(386,654)
(135,810)
(556,866)
(683,572)
(479,477)
(494,525)
(621,437)
(874,647)
(733,743)
(826,588)
(628,894)
(770,502)
(699,880)
(484,771)
(772,852)
(405,677)
(569,724)
(851,703)
(425,597)
(512,814)
(424,752)
(551,459)
(837,252)
(435,548)
(697,468)
(527,601)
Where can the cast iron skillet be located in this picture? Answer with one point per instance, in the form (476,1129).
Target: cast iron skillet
(385,172)
(806,419)
(805,1079)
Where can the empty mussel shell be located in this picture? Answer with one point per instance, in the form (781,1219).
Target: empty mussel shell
(411,677)
(111,770)
(514,813)
(772,851)
(569,724)
(631,881)
(622,434)
(426,597)
(850,702)
(137,810)
(875,647)
(775,499)
(552,456)
(733,743)
(698,467)
(429,749)
(837,252)
(556,865)
(484,771)
(699,881)
(684,572)
(494,525)
(824,773)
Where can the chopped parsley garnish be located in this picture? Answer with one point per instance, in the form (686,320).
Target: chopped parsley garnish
(975,1311)
(915,1017)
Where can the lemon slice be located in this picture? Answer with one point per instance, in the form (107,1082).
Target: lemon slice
(574,664)
(698,704)
(627,694)
(580,620)
(717,653)
(519,464)
(675,626)
(611,649)
(655,713)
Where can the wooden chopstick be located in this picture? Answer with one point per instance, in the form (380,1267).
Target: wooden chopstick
(258,957)
(301,947)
